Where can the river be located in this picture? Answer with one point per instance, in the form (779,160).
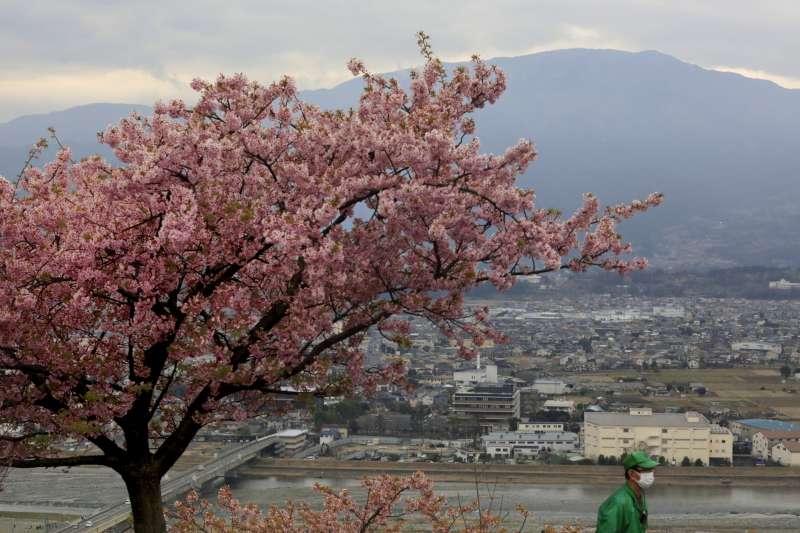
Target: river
(673,509)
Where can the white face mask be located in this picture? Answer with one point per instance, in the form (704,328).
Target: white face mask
(646,480)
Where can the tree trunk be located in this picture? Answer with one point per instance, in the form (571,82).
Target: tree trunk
(144,490)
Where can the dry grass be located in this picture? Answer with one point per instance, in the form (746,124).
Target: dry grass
(744,389)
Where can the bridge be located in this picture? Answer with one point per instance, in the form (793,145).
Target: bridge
(115,517)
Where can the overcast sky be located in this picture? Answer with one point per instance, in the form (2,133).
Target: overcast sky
(60,53)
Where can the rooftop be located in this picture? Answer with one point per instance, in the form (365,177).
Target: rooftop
(530,435)
(655,419)
(792,446)
(291,433)
(781,434)
(770,425)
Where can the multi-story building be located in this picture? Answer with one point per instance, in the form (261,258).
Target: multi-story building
(492,406)
(720,444)
(517,443)
(540,426)
(291,441)
(764,441)
(673,436)
(561,406)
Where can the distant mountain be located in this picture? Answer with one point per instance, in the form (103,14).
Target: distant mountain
(76,127)
(723,148)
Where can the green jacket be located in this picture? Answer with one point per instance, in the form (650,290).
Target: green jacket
(621,513)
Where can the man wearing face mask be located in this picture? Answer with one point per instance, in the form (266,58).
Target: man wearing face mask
(625,511)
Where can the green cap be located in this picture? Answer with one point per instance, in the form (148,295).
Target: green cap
(638,459)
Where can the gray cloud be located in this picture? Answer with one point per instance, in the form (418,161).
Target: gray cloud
(60,53)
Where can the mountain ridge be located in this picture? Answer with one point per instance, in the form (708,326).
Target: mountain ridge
(721,146)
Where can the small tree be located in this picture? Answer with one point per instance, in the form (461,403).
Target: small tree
(698,462)
(601,459)
(786,371)
(244,247)
(686,462)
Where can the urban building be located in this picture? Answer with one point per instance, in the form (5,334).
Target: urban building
(673,436)
(327,436)
(560,406)
(550,387)
(786,453)
(757,346)
(720,444)
(540,426)
(517,443)
(764,441)
(783,284)
(492,405)
(291,441)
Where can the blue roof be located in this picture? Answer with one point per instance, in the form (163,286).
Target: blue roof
(770,425)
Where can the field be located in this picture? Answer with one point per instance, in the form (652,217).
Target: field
(746,390)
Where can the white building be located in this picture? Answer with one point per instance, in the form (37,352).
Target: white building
(550,386)
(756,346)
(617,315)
(516,443)
(291,441)
(765,441)
(787,453)
(562,406)
(783,284)
(540,426)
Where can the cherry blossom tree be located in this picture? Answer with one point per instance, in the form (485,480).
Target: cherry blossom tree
(248,243)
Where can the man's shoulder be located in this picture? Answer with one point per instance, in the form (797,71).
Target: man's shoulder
(618,497)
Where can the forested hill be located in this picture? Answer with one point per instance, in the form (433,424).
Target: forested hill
(723,148)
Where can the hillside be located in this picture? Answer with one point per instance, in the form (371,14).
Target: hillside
(723,148)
